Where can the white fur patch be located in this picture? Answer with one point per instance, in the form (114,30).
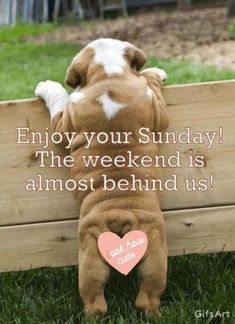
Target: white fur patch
(149,92)
(55,96)
(160,72)
(110,53)
(110,107)
(76,96)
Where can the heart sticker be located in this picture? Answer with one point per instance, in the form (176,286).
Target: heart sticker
(123,253)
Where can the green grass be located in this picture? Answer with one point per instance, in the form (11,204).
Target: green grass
(51,295)
(24,64)
(186,72)
(17,32)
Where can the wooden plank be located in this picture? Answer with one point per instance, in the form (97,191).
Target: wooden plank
(202,107)
(18,163)
(28,7)
(13,10)
(38,245)
(5,12)
(200,230)
(54,244)
(19,206)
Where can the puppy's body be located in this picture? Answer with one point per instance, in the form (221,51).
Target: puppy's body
(123,101)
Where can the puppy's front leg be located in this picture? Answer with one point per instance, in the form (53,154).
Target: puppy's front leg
(154,81)
(55,96)
(159,72)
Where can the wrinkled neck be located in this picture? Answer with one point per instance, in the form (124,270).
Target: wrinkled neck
(97,74)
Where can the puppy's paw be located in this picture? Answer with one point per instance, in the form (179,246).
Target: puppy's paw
(48,87)
(97,306)
(148,304)
(55,96)
(161,73)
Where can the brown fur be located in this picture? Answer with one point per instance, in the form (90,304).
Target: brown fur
(116,211)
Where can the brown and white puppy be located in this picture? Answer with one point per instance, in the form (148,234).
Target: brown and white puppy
(112,96)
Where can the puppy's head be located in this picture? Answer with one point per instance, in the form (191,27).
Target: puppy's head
(104,56)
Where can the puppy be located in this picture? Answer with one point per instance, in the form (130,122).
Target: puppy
(113,96)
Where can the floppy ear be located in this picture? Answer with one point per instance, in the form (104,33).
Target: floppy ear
(73,76)
(135,57)
(76,73)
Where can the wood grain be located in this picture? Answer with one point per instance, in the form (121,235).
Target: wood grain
(54,244)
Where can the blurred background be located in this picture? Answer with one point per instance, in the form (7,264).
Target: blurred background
(200,30)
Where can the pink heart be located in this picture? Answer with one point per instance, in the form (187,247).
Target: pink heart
(123,253)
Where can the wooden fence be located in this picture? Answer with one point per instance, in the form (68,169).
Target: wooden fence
(38,229)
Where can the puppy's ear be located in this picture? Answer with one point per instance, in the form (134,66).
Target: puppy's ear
(135,57)
(76,73)
(73,76)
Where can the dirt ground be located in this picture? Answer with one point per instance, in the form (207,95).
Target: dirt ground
(200,35)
